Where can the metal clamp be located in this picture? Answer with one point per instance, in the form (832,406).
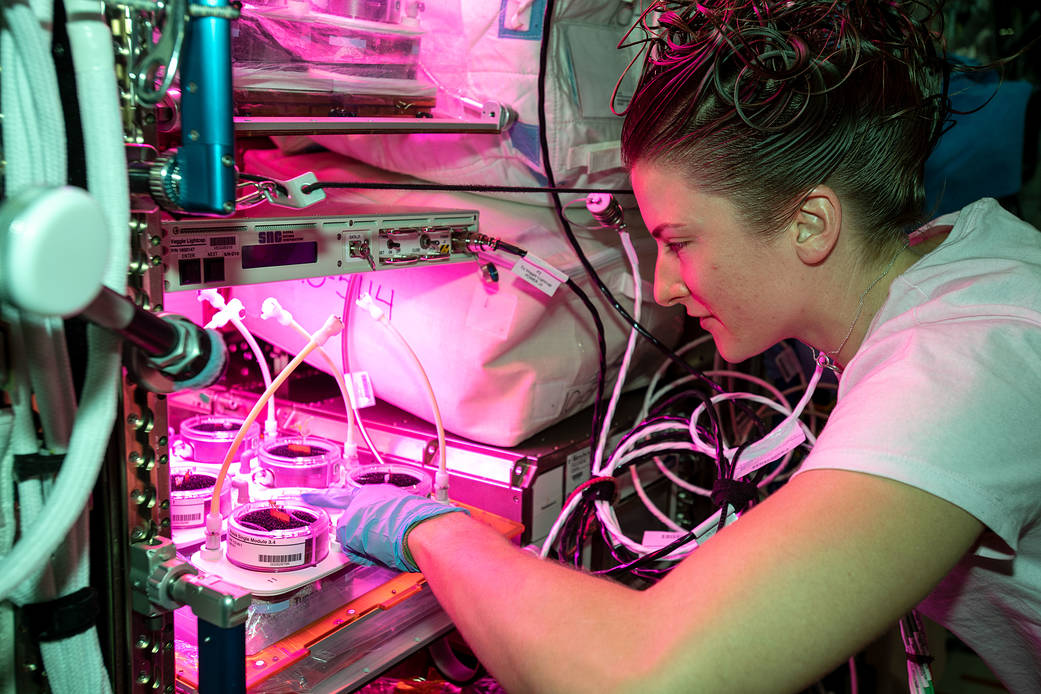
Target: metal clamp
(163,581)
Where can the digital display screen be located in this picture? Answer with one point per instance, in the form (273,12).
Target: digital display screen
(279,254)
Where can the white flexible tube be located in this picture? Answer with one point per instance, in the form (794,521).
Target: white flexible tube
(785,409)
(98,95)
(605,430)
(75,482)
(775,443)
(35,107)
(662,517)
(630,347)
(20,131)
(211,549)
(344,343)
(651,395)
(623,455)
(441,477)
(270,308)
(615,460)
(96,415)
(232,312)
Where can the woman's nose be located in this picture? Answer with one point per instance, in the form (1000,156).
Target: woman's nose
(669,287)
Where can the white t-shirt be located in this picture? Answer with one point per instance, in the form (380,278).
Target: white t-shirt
(945,395)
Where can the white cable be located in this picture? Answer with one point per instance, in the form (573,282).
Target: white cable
(271,308)
(785,409)
(650,395)
(566,512)
(232,312)
(625,453)
(34,104)
(441,477)
(765,385)
(651,506)
(610,521)
(554,529)
(97,91)
(211,548)
(344,340)
(72,663)
(605,430)
(787,435)
(75,482)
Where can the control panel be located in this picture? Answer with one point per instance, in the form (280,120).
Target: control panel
(199,253)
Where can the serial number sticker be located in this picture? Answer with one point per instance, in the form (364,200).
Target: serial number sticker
(540,274)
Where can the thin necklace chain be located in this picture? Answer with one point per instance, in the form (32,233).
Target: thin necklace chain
(825,358)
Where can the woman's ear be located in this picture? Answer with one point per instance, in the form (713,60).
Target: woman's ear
(815,229)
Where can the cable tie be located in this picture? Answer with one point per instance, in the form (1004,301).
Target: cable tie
(58,619)
(604,489)
(29,466)
(735,493)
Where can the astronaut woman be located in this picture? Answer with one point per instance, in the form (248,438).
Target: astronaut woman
(776,152)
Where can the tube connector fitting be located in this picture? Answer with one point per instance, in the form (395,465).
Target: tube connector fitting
(333,326)
(272,309)
(211,550)
(366,303)
(212,297)
(229,313)
(441,486)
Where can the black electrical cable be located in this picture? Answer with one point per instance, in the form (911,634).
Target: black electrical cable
(460,188)
(638,429)
(547,25)
(664,405)
(579,525)
(645,559)
(495,244)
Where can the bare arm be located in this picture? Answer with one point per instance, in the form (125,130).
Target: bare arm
(771,603)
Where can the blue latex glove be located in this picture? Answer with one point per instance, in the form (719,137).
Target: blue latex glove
(376,518)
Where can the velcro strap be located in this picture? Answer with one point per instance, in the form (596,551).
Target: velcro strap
(62,617)
(30,465)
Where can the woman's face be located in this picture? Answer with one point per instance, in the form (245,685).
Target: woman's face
(722,273)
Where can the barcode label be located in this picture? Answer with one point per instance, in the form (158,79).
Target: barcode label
(186,515)
(265,552)
(281,558)
(222,241)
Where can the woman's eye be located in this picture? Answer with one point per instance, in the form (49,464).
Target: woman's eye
(675,246)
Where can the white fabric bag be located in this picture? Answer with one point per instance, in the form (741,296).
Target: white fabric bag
(505,360)
(489,50)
